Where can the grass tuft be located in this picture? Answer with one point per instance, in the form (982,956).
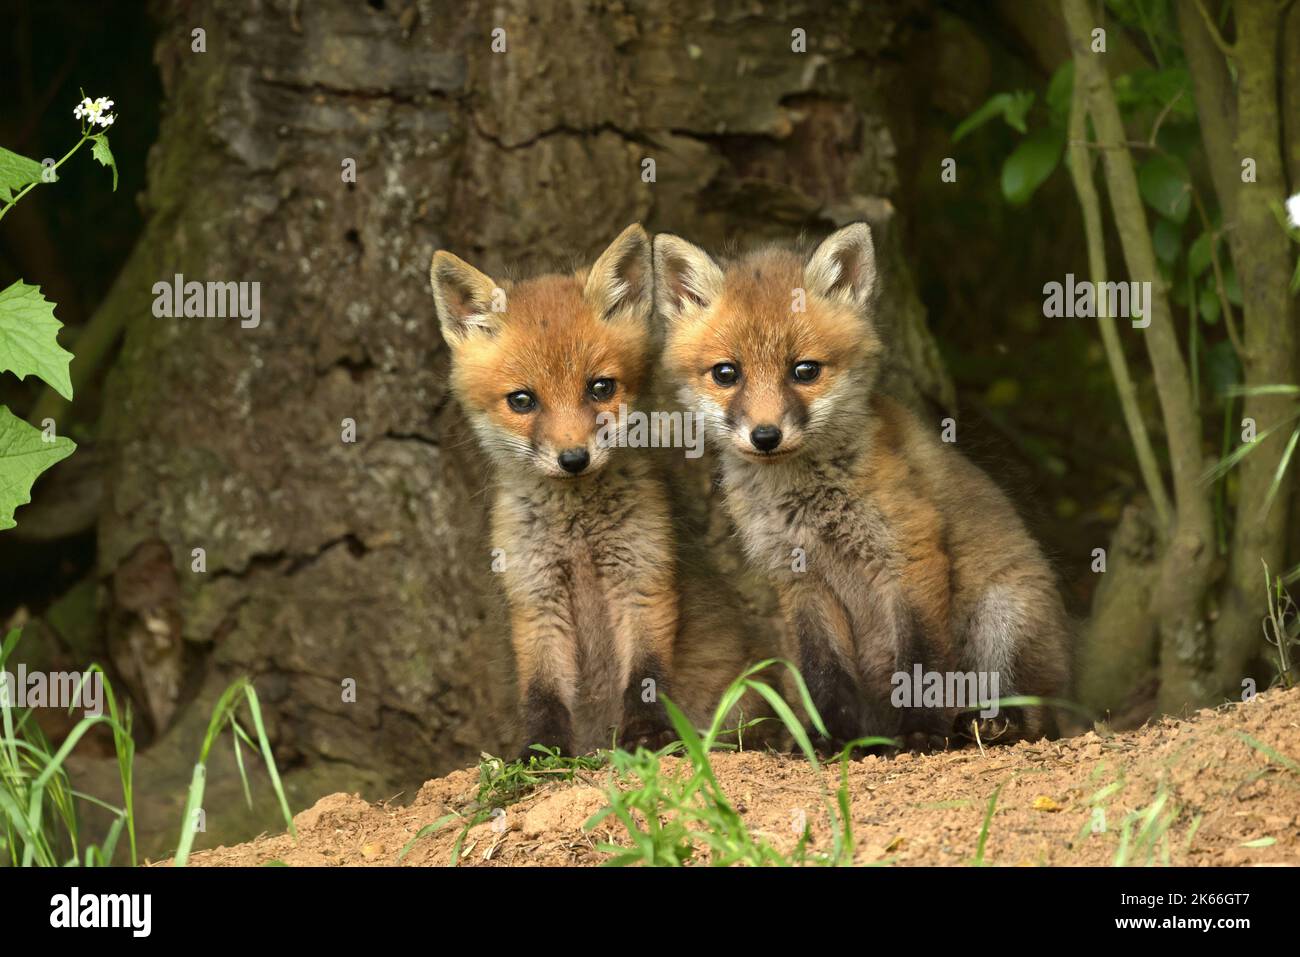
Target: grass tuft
(502,783)
(223,715)
(672,818)
(39,820)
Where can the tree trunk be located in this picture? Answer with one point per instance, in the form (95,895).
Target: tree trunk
(1263,256)
(327,560)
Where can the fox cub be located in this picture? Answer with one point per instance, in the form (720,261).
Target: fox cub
(603,620)
(885,546)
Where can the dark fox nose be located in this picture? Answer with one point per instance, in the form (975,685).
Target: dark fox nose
(765,437)
(574,460)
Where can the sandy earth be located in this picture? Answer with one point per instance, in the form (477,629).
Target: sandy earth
(1220,795)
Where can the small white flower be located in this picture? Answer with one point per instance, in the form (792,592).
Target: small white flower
(1293,210)
(95,112)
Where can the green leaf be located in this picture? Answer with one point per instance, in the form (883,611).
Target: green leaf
(1207,301)
(1231,288)
(1151,90)
(16,172)
(1167,238)
(102,153)
(1059,92)
(29,338)
(1280,214)
(24,455)
(1012,107)
(1198,257)
(1222,370)
(1031,163)
(1166,187)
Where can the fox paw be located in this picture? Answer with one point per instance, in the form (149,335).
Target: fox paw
(922,742)
(643,733)
(999,729)
(842,710)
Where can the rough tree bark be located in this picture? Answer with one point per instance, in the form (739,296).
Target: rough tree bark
(325,560)
(1263,255)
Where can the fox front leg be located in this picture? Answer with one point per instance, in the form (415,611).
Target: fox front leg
(647,628)
(822,639)
(645,719)
(1018,635)
(548,676)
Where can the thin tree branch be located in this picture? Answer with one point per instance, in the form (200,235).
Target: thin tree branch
(1216,107)
(1081,172)
(1164,113)
(1178,598)
(1229,317)
(1167,362)
(1228,49)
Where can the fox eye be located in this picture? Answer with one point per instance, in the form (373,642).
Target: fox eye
(602,389)
(806,371)
(521,401)
(724,373)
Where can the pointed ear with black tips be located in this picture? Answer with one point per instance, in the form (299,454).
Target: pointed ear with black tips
(466,299)
(686,278)
(844,267)
(621,283)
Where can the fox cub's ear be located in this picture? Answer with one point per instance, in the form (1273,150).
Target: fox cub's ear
(465,298)
(685,277)
(619,284)
(844,266)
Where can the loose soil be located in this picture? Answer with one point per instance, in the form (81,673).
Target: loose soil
(1231,802)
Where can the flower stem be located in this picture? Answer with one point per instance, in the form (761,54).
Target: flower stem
(28,188)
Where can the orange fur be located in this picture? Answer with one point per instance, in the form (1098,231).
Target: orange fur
(598,612)
(913,556)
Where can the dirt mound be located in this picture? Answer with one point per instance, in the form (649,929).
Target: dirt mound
(1221,787)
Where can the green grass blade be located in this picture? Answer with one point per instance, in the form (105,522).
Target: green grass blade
(425,831)
(1272,753)
(988,822)
(788,718)
(1279,473)
(193,801)
(255,707)
(1240,391)
(1229,461)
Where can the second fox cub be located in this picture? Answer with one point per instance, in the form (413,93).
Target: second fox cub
(887,548)
(603,622)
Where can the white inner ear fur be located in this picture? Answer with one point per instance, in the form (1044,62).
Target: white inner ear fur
(620,281)
(844,266)
(462,297)
(685,277)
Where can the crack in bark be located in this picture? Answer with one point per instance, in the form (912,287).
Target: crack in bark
(276,561)
(419,437)
(562,128)
(365,94)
